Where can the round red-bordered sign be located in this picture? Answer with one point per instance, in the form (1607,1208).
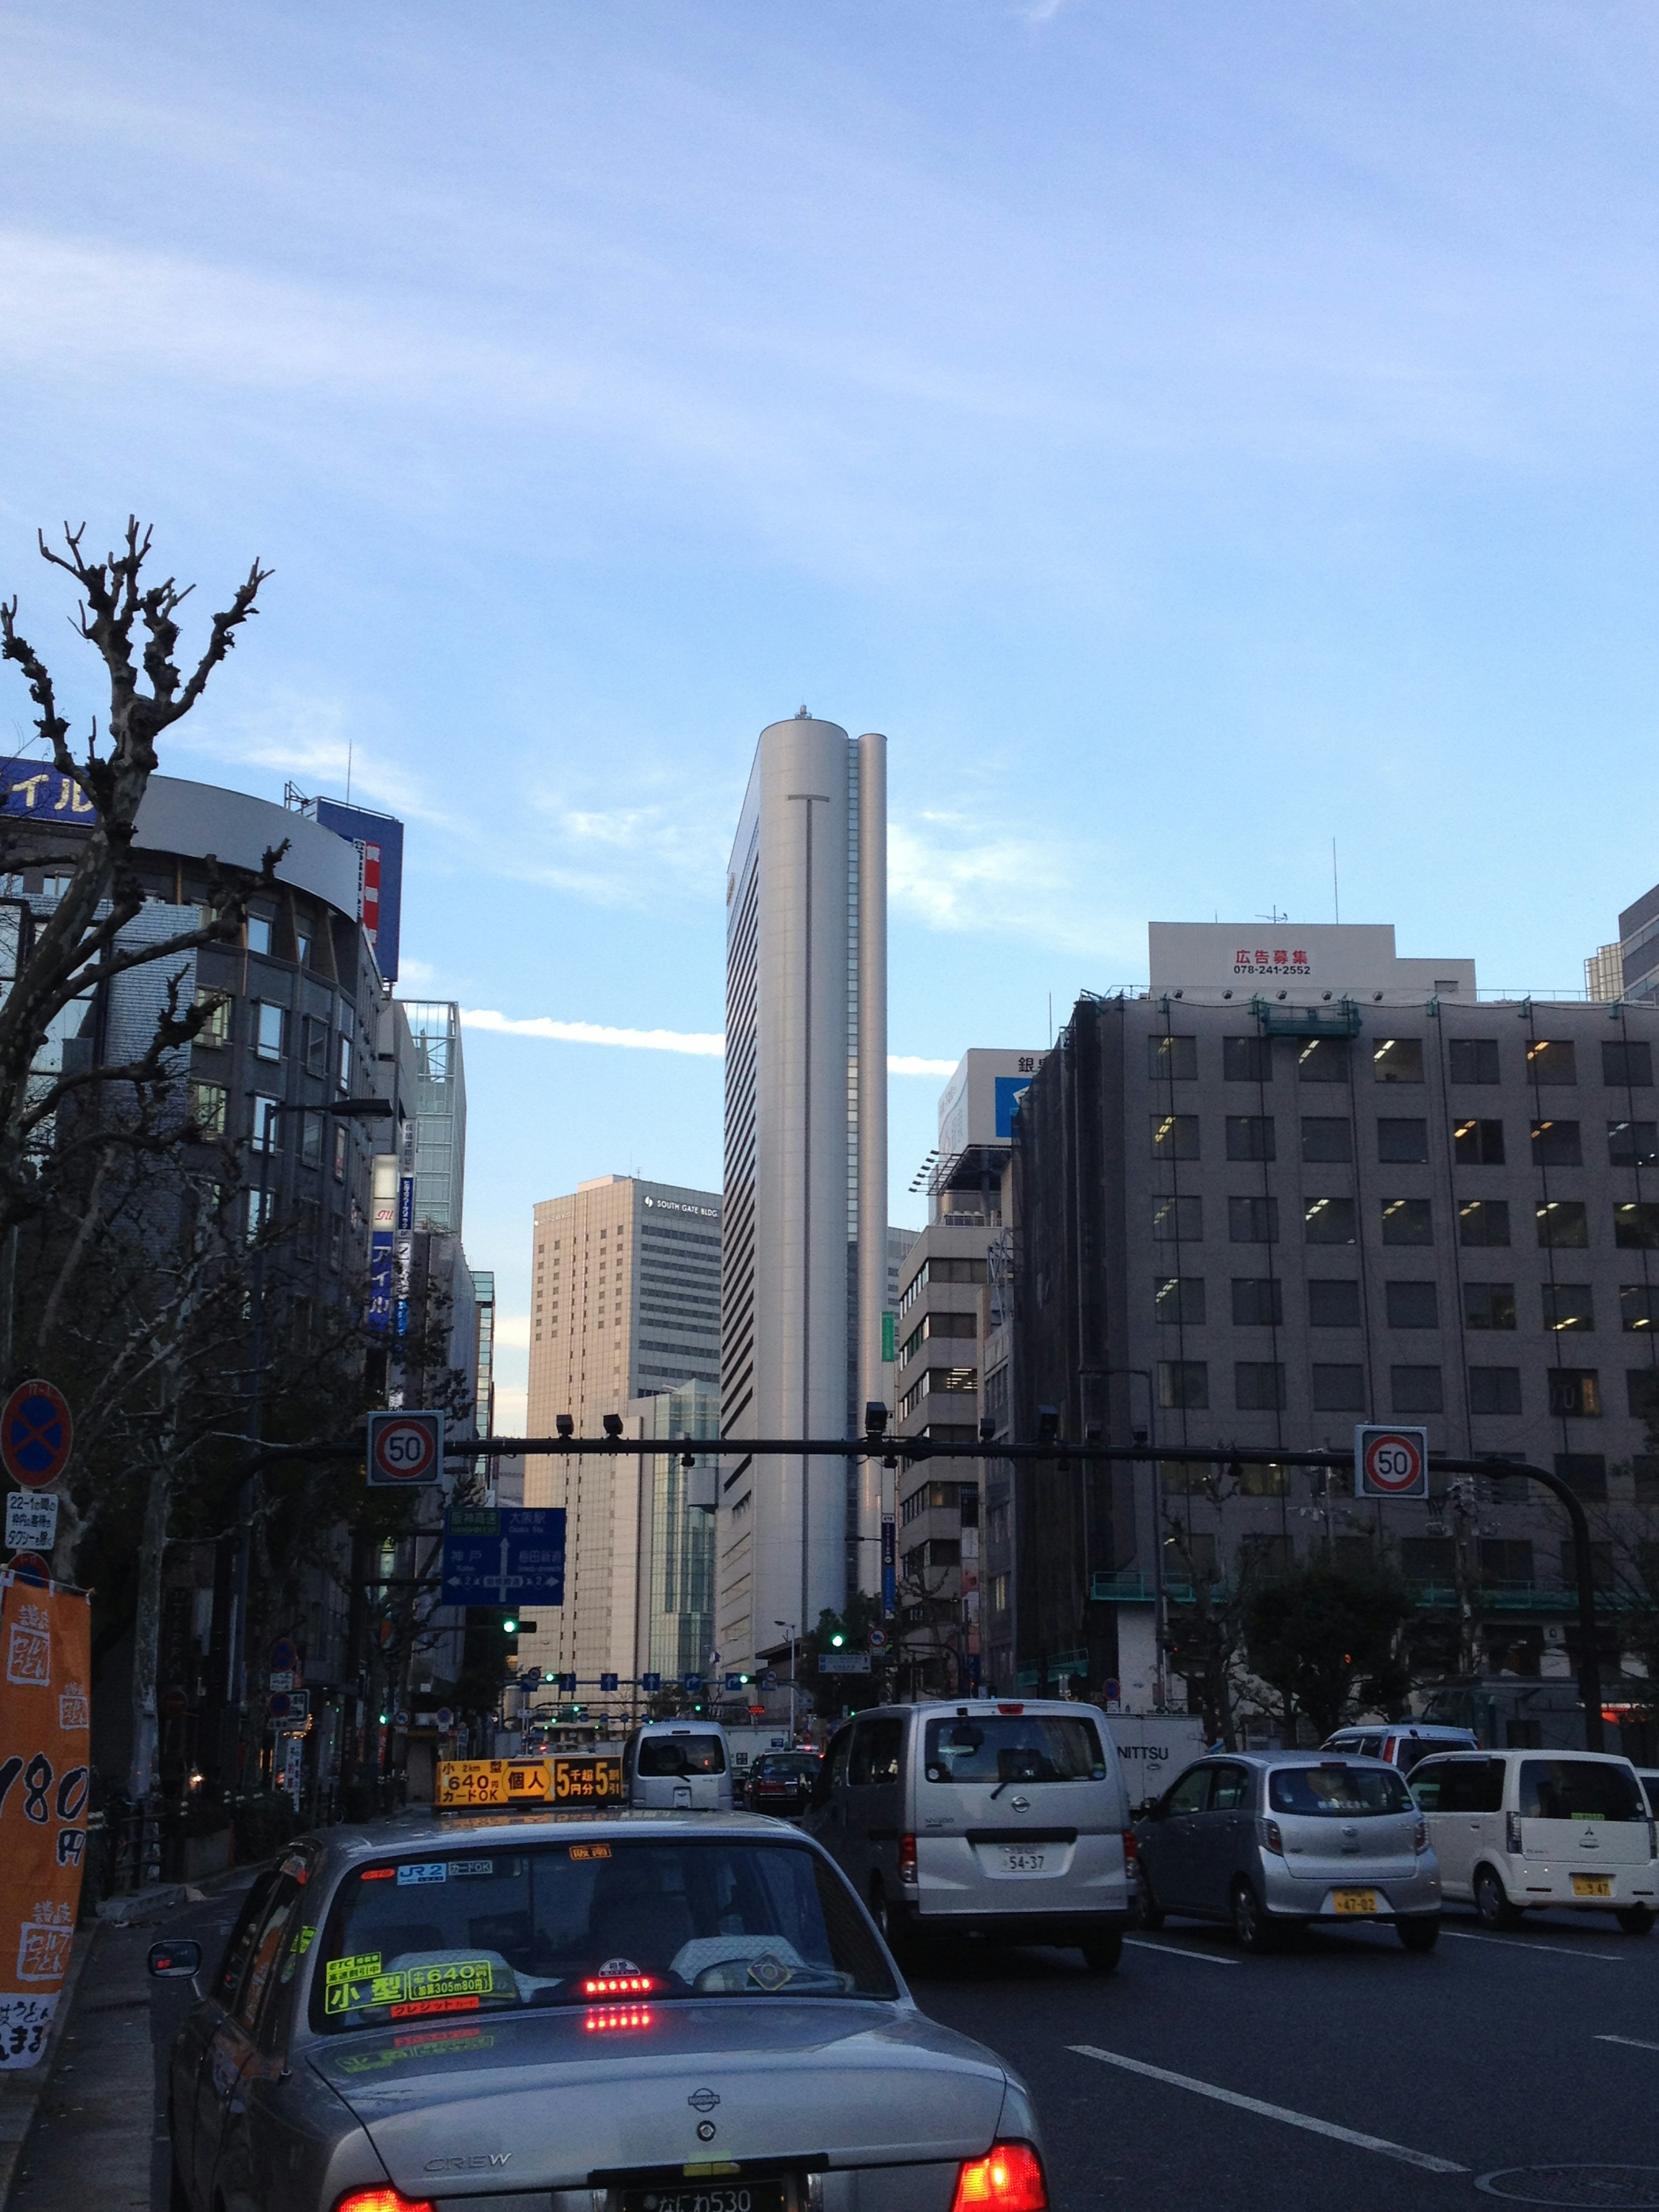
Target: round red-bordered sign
(405,1451)
(37,1432)
(1393,1462)
(30,1567)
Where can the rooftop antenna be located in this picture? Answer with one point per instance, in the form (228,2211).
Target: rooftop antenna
(1274,916)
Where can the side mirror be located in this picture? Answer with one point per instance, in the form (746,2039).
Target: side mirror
(167,1960)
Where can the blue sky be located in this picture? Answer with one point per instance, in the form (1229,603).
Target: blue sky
(1191,432)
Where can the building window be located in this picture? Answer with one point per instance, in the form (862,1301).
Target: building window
(1556,1145)
(1329,1221)
(1172,1058)
(1568,1305)
(1258,1386)
(1400,1143)
(1489,1305)
(1323,1060)
(1175,1136)
(1635,1227)
(1177,1220)
(264,1137)
(1575,1392)
(1628,1066)
(1563,1225)
(1587,1474)
(1338,1389)
(1327,1136)
(998,1593)
(1494,1389)
(311,1140)
(335,1234)
(344,1071)
(261,1212)
(1633,1144)
(1506,1559)
(1641,1394)
(1250,1137)
(1415,1390)
(1551,1061)
(1407,1221)
(1253,1220)
(1178,1301)
(1260,1556)
(258,933)
(1429,1562)
(1398,1060)
(216,1029)
(1184,1385)
(339,1152)
(1638,1305)
(316,1035)
(1258,1302)
(1412,1305)
(308,1229)
(1478,1144)
(1333,1303)
(268,1021)
(1472,1060)
(207,1108)
(1247,1059)
(1483,1221)
(1269,1481)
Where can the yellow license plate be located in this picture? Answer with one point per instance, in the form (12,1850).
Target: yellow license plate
(1354,1900)
(1592,1885)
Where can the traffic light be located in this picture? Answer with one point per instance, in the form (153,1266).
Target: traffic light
(836,1641)
(509,1623)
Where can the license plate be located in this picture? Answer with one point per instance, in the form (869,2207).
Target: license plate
(1354,1900)
(1015,1861)
(1592,1885)
(770,2195)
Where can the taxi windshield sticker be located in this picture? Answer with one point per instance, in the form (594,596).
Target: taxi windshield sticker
(426,1870)
(352,1970)
(463,1979)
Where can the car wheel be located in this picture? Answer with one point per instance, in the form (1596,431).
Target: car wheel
(1254,1931)
(883,1914)
(1635,1919)
(1151,1913)
(1420,1933)
(1492,1902)
(1101,1953)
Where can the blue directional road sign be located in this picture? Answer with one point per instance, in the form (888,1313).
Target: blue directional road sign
(691,1682)
(650,1682)
(506,1555)
(607,1681)
(735,1681)
(567,1685)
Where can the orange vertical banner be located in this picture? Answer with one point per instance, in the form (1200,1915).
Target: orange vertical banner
(45,1665)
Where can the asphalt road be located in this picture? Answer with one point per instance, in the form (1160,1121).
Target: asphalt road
(1491,2053)
(1393,2081)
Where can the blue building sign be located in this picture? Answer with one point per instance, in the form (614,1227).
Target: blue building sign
(380,841)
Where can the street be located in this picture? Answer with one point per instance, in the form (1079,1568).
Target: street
(1342,2072)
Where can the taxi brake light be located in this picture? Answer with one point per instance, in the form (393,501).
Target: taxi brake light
(619,1985)
(1009,2180)
(1011,1709)
(383,2200)
(605,2020)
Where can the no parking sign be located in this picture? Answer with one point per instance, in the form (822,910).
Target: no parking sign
(1390,1462)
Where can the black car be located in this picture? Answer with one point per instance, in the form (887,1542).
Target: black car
(781,1781)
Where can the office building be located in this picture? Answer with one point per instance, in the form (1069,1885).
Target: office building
(439,1113)
(674,1619)
(805,1274)
(625,1305)
(1604,973)
(1638,948)
(1289,1190)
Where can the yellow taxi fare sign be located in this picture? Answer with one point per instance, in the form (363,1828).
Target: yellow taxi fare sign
(470,1786)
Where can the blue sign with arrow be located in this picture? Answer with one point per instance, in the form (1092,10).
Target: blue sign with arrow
(504,1555)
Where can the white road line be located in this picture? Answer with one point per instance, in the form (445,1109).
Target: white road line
(1631,2042)
(1176,1951)
(1418,2158)
(1525,1943)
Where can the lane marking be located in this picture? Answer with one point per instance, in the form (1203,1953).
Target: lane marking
(1631,2042)
(1417,2158)
(1175,1951)
(1525,1943)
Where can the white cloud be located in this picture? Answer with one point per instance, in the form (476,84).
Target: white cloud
(942,869)
(904,1063)
(701,1044)
(512,1331)
(415,971)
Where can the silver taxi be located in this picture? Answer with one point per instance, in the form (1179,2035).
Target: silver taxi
(639,2012)
(1269,1841)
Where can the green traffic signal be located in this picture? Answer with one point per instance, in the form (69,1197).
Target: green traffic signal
(509,1623)
(836,1641)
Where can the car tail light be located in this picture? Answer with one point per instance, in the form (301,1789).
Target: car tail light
(1512,1835)
(907,1859)
(1009,2180)
(383,2200)
(1273,1836)
(1421,1836)
(606,2019)
(619,1985)
(1131,1851)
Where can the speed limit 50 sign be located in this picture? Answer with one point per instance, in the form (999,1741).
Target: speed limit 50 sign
(1390,1462)
(404,1450)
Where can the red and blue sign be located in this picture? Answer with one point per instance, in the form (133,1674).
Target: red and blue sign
(37,1432)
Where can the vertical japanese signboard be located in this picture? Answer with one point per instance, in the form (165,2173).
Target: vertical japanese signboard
(45,1737)
(382,1233)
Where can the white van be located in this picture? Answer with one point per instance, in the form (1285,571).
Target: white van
(981,1817)
(1402,1743)
(1531,1831)
(677,1767)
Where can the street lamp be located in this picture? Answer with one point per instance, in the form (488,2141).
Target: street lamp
(789,1625)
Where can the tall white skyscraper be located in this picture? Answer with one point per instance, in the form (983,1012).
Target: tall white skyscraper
(805,1260)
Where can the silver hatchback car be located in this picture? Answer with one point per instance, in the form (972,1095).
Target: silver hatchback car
(631,2012)
(1271,1840)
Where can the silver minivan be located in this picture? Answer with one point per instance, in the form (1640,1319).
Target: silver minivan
(981,1817)
(677,1767)
(1401,1743)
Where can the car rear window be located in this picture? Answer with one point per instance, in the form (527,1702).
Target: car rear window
(681,1755)
(783,1766)
(1578,1790)
(1001,1747)
(1337,1792)
(482,1929)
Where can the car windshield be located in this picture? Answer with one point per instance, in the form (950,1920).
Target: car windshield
(593,1923)
(1003,1748)
(785,1768)
(682,1754)
(1339,1792)
(1578,1790)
